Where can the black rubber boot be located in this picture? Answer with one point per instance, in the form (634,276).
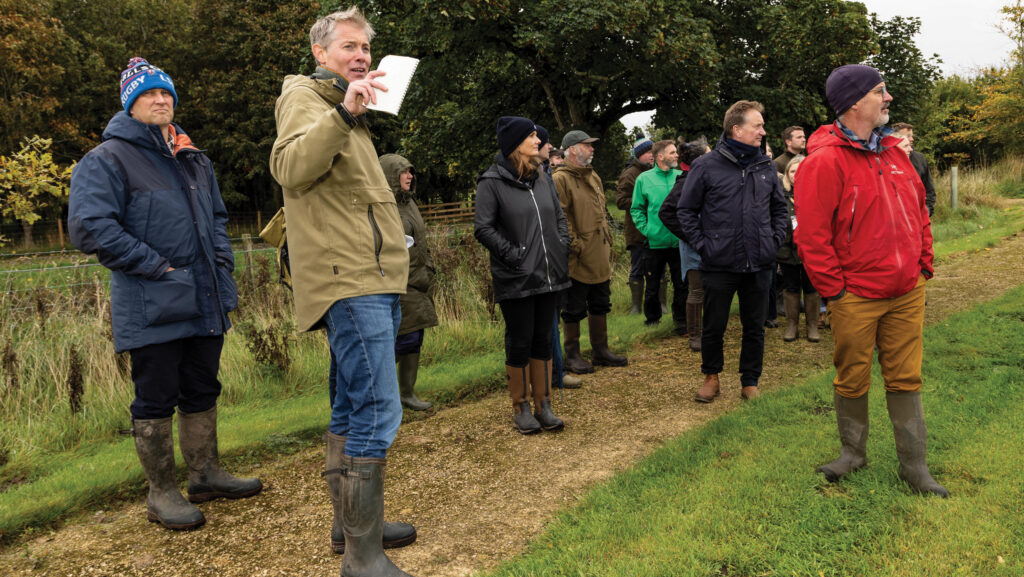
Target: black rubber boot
(636,293)
(852,419)
(408,369)
(574,362)
(197,436)
(155,445)
(602,355)
(518,378)
(907,416)
(540,381)
(394,535)
(362,496)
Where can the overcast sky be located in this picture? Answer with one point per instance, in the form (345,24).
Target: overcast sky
(963,33)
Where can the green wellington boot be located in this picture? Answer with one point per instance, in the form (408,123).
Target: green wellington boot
(907,416)
(197,436)
(852,419)
(155,445)
(408,369)
(362,496)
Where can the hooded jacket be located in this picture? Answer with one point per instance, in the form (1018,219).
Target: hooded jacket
(345,238)
(141,209)
(523,227)
(417,303)
(734,217)
(862,221)
(624,199)
(582,196)
(652,188)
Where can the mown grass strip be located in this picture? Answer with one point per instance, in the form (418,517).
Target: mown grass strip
(740,495)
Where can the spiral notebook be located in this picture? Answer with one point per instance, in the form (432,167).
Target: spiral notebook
(399,74)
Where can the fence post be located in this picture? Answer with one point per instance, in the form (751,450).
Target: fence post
(259,221)
(954,181)
(247,246)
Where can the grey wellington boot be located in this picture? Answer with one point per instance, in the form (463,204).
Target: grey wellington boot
(852,418)
(197,436)
(408,369)
(540,380)
(394,535)
(663,296)
(812,306)
(362,496)
(907,416)
(636,293)
(165,505)
(791,304)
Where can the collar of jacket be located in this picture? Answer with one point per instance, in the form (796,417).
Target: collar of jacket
(506,171)
(876,141)
(322,73)
(576,170)
(723,149)
(663,171)
(123,127)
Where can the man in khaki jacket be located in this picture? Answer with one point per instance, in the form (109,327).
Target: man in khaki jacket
(582,196)
(349,264)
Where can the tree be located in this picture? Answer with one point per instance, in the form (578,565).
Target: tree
(909,76)
(32,185)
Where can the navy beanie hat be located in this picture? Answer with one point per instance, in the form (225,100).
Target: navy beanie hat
(513,130)
(542,134)
(141,76)
(848,84)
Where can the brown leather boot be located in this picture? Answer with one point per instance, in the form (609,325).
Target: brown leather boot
(602,355)
(812,306)
(694,311)
(540,381)
(517,387)
(791,304)
(574,362)
(709,390)
(750,393)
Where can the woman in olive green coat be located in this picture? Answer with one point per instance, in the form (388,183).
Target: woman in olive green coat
(418,301)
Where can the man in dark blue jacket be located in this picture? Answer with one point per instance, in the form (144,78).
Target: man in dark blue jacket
(732,211)
(146,202)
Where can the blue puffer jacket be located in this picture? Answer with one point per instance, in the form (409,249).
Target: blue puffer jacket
(734,217)
(142,210)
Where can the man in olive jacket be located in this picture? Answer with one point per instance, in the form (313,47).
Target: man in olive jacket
(349,264)
(582,197)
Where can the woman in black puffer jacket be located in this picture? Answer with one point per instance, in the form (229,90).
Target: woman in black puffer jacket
(520,221)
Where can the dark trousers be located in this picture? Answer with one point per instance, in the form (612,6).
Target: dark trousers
(181,373)
(795,279)
(583,299)
(528,328)
(655,260)
(719,288)
(773,298)
(636,261)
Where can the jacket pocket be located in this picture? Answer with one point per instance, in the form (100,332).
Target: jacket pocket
(717,246)
(227,290)
(170,298)
(767,247)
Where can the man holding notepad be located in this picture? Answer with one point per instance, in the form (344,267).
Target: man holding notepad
(349,264)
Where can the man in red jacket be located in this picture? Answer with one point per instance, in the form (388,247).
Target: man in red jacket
(864,236)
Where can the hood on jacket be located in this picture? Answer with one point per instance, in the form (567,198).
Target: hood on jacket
(331,90)
(124,127)
(394,165)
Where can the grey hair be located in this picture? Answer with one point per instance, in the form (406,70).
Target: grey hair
(322,32)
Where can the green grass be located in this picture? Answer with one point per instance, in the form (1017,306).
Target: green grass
(740,495)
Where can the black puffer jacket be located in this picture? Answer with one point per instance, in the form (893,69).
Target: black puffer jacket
(523,227)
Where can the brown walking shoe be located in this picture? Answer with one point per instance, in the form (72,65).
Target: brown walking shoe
(709,390)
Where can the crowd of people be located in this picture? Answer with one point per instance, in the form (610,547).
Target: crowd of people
(847,219)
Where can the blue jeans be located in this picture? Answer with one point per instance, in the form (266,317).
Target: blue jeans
(365,405)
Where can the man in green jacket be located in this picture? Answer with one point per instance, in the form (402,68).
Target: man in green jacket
(349,264)
(663,247)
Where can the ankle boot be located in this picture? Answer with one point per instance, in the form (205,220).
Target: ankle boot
(394,535)
(574,362)
(197,437)
(540,381)
(362,496)
(709,390)
(812,305)
(694,311)
(852,419)
(517,384)
(791,304)
(907,416)
(408,368)
(663,296)
(636,293)
(165,505)
(602,355)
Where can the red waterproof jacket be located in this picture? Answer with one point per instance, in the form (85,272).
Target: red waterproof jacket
(862,222)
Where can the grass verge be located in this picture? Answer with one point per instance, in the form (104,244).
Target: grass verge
(740,496)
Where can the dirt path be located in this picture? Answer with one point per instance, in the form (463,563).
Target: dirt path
(476,490)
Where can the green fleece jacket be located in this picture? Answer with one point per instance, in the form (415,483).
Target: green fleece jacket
(649,192)
(345,238)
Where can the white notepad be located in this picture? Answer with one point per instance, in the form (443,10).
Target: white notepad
(399,74)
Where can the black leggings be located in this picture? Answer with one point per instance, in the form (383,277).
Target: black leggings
(528,328)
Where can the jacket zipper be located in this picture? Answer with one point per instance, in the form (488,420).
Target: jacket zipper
(543,243)
(853,210)
(378,238)
(892,212)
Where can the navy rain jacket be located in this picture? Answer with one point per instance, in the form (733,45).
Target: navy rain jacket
(141,209)
(734,217)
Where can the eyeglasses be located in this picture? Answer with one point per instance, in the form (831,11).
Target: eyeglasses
(881,91)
